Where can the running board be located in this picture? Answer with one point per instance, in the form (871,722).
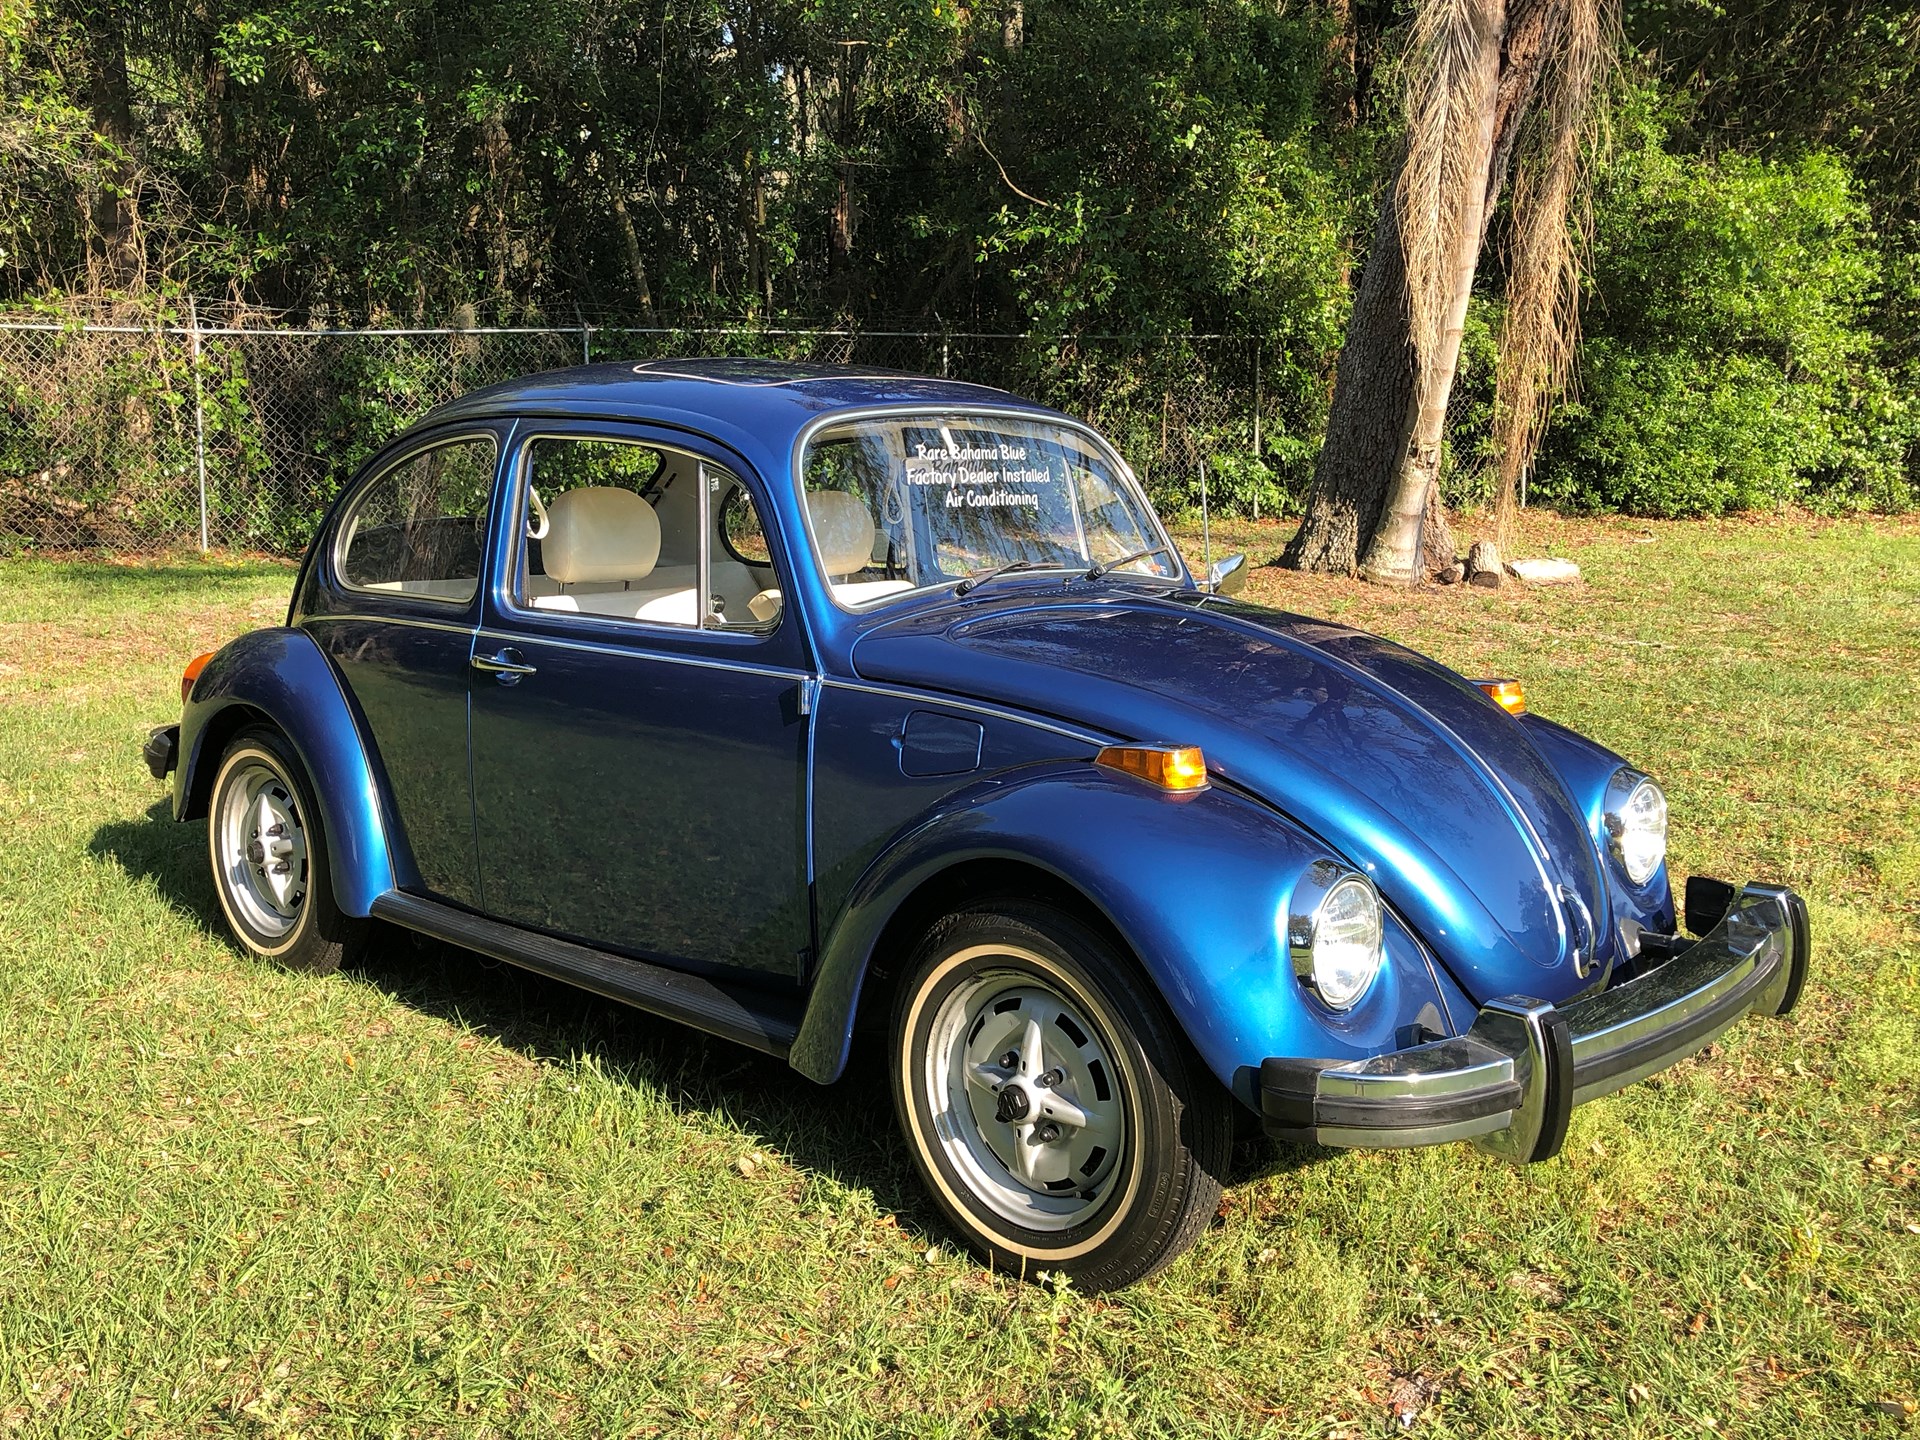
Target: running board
(656,989)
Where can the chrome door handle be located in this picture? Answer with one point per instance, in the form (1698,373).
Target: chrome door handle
(504,665)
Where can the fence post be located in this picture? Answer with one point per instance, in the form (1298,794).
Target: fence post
(1256,398)
(1256,424)
(199,418)
(586,344)
(945,347)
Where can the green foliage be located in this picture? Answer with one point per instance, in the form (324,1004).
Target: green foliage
(1068,171)
(1729,364)
(124,418)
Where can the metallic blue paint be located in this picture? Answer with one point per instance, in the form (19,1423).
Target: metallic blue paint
(1585,767)
(873,751)
(1197,885)
(282,675)
(638,799)
(1397,764)
(408,677)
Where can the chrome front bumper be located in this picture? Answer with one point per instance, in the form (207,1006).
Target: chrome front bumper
(1510,1083)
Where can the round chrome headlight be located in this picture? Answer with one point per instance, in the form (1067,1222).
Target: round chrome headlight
(1636,821)
(1334,933)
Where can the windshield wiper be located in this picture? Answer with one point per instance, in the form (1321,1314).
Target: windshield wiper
(981,577)
(1097,571)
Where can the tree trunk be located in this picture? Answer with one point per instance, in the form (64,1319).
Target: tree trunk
(844,217)
(1373,399)
(630,245)
(1374,508)
(116,259)
(1343,88)
(1395,554)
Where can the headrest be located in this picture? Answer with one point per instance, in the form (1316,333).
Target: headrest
(599,533)
(843,528)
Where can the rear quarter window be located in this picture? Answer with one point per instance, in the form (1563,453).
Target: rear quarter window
(419,528)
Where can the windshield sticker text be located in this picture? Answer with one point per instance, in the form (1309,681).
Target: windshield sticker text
(979,476)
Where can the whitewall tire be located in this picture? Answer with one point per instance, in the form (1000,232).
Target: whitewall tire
(269,857)
(1056,1113)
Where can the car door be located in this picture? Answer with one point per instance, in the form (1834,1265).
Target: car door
(638,737)
(396,609)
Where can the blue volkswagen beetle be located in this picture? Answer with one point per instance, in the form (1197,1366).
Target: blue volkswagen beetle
(796,703)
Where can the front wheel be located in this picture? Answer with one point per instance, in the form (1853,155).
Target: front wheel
(269,857)
(1053,1108)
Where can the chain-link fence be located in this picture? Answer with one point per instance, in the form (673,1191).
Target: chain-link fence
(159,437)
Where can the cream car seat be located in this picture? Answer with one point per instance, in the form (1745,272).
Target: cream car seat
(844,531)
(601,542)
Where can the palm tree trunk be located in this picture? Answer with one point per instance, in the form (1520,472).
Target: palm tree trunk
(1395,553)
(1374,508)
(1374,394)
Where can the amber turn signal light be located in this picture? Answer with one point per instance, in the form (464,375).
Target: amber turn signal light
(1171,767)
(1507,694)
(192,673)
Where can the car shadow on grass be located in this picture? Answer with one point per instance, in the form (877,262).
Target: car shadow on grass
(172,857)
(845,1132)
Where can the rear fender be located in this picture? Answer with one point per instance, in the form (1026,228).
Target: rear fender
(1196,885)
(282,677)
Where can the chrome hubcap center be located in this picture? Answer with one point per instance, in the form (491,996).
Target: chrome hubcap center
(262,849)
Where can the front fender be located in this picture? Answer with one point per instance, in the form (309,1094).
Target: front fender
(1197,885)
(1586,766)
(283,675)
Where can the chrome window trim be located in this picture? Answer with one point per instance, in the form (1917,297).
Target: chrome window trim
(343,532)
(519,481)
(416,621)
(590,647)
(1100,444)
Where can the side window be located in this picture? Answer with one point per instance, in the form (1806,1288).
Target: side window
(861,469)
(419,528)
(613,529)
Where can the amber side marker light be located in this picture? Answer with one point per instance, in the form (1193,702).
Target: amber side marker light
(1507,694)
(1171,767)
(192,673)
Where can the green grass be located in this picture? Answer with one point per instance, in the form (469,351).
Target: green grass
(434,1196)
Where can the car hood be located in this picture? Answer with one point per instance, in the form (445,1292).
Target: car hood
(1398,764)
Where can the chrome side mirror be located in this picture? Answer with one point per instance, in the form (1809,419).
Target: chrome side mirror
(1228,576)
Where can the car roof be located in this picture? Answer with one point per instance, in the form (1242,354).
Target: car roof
(767,396)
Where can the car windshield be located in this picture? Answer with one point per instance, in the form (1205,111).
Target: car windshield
(904,502)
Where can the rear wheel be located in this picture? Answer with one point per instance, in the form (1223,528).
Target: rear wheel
(269,857)
(1055,1111)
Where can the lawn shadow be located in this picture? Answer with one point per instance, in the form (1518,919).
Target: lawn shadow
(170,855)
(845,1131)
